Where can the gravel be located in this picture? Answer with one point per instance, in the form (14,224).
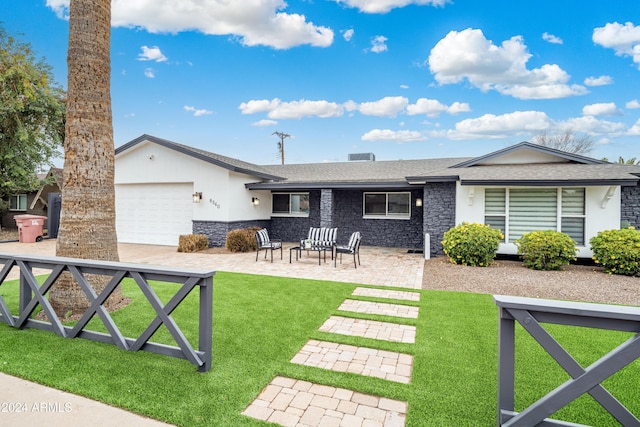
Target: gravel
(507,277)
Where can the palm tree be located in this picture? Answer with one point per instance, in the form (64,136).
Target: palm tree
(87,220)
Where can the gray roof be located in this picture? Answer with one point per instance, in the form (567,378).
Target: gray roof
(229,163)
(571,170)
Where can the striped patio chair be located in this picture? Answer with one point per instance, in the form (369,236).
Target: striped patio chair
(353,247)
(266,244)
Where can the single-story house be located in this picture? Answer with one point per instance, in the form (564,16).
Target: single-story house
(35,201)
(164,189)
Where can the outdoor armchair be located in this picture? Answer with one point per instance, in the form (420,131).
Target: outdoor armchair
(352,248)
(267,244)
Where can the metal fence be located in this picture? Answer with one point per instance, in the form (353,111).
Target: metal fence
(32,295)
(530,313)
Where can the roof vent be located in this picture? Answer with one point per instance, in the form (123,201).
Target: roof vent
(369,157)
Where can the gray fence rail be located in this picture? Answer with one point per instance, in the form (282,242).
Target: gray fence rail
(32,295)
(530,313)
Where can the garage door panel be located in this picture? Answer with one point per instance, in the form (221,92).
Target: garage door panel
(153,213)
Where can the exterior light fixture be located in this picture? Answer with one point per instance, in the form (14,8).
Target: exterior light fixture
(255,201)
(197,196)
(418,202)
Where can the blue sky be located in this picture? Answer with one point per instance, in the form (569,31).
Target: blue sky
(403,79)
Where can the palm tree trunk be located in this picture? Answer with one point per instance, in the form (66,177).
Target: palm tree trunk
(87,220)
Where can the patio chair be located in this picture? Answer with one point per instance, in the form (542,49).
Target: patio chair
(266,244)
(352,248)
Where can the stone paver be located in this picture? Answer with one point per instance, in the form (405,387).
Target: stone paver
(370,329)
(314,405)
(369,362)
(396,310)
(385,293)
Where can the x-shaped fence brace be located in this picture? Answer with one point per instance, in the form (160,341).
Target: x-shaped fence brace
(32,295)
(530,312)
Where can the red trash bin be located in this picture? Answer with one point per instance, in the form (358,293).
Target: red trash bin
(29,227)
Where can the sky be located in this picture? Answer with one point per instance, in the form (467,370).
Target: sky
(403,79)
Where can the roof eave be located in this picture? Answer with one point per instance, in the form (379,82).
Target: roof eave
(549,182)
(287,186)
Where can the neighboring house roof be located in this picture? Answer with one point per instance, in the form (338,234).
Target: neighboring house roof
(521,164)
(55,186)
(228,163)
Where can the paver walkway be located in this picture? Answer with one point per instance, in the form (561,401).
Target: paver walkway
(370,329)
(385,293)
(368,307)
(365,361)
(291,402)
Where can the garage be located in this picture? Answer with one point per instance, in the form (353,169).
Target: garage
(153,213)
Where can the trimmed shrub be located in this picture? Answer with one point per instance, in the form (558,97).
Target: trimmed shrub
(618,251)
(546,250)
(471,244)
(192,242)
(242,239)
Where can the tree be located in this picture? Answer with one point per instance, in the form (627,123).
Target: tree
(32,115)
(565,140)
(87,219)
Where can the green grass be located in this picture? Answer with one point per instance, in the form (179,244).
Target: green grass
(261,322)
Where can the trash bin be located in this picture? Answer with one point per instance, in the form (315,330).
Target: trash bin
(29,227)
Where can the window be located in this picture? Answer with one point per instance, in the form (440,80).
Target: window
(18,202)
(290,204)
(387,205)
(516,211)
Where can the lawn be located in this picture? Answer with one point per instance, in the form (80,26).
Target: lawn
(261,322)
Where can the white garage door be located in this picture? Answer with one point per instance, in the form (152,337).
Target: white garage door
(153,213)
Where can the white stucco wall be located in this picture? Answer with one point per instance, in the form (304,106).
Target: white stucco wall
(224,196)
(602,212)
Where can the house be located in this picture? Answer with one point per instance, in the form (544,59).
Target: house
(164,189)
(34,202)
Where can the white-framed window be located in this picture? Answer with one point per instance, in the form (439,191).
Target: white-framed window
(516,211)
(396,205)
(290,204)
(18,202)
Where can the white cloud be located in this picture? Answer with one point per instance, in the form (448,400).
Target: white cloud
(469,55)
(253,22)
(196,112)
(348,34)
(432,107)
(490,126)
(276,109)
(151,54)
(601,109)
(632,105)
(378,44)
(598,81)
(148,72)
(623,39)
(592,126)
(264,123)
(384,6)
(635,129)
(389,106)
(398,136)
(404,86)
(551,38)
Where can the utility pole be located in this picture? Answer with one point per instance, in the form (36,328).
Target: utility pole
(282,136)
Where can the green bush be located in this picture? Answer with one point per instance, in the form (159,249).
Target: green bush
(546,250)
(242,239)
(618,251)
(471,244)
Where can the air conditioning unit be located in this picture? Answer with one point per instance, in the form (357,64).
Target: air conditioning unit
(367,157)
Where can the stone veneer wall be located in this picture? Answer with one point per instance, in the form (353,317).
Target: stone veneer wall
(376,232)
(440,212)
(292,229)
(216,231)
(630,205)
